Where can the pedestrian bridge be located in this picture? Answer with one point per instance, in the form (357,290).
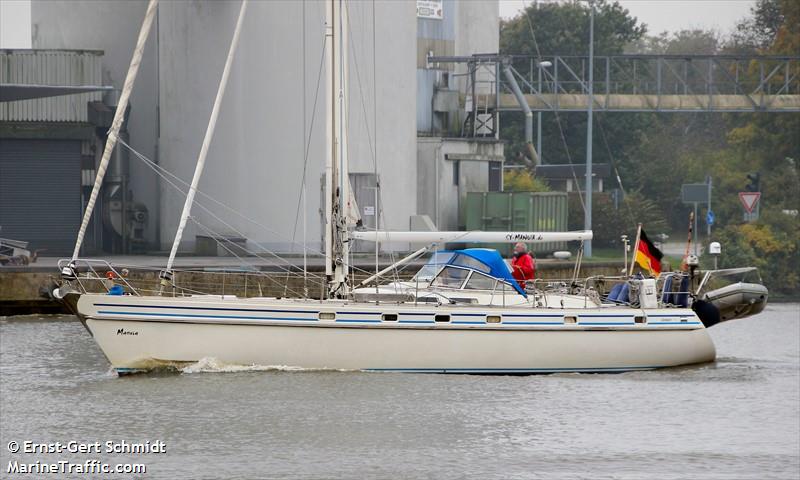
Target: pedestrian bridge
(632,83)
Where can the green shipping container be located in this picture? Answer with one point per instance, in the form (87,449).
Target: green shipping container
(518,211)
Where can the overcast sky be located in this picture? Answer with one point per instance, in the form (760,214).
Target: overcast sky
(670,15)
(659,15)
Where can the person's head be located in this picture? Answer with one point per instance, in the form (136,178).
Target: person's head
(520,248)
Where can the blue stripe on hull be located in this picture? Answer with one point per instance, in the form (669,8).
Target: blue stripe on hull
(514,370)
(218,309)
(604,324)
(533,323)
(367,321)
(347,320)
(194,315)
(486,371)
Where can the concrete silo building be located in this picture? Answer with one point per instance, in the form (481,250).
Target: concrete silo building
(273,111)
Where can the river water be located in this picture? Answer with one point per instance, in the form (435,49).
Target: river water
(738,418)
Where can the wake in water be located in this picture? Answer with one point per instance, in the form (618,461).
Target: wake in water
(213,365)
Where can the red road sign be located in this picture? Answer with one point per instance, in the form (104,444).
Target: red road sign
(749,200)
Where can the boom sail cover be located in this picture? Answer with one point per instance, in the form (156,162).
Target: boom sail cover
(472,237)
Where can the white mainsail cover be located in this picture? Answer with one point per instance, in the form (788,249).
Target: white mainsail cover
(471,237)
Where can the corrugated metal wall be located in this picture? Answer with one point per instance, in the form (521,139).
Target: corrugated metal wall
(40,196)
(437,36)
(50,67)
(426,81)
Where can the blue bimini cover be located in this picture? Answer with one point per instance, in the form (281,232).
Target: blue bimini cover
(488,261)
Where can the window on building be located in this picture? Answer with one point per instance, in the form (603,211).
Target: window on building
(495,176)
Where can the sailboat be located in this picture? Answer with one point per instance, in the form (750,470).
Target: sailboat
(462,313)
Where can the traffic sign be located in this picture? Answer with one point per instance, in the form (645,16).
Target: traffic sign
(710,218)
(695,192)
(749,200)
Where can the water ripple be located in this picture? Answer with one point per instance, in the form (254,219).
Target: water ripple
(738,417)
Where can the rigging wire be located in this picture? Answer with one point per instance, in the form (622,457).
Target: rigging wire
(222,244)
(599,123)
(156,168)
(302,200)
(308,136)
(558,117)
(602,131)
(629,210)
(373,150)
(361,92)
(166,174)
(372,137)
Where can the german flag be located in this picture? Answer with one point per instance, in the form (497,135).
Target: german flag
(647,255)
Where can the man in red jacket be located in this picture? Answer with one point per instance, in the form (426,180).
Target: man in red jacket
(522,265)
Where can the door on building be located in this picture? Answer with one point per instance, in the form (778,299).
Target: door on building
(40,192)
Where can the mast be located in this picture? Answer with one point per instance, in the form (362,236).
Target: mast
(345,196)
(337,183)
(329,47)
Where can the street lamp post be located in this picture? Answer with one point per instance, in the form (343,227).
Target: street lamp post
(539,117)
(587,219)
(539,66)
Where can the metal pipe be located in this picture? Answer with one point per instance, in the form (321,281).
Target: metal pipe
(526,109)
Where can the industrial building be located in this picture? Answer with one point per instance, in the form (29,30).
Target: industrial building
(404,119)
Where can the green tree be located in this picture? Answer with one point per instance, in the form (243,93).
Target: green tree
(772,245)
(521,180)
(769,144)
(760,30)
(563,28)
(695,41)
(657,152)
(610,223)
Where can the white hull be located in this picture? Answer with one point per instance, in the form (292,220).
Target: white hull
(145,332)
